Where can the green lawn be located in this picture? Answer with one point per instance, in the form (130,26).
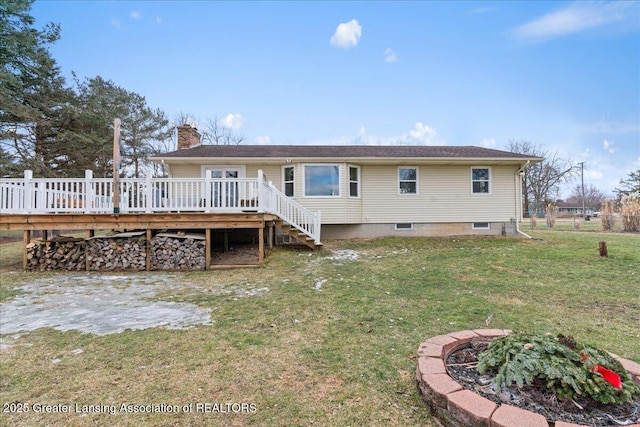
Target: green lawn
(333,341)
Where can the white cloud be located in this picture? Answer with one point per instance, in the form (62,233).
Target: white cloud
(488,143)
(347,35)
(574,18)
(263,140)
(390,55)
(422,133)
(158,20)
(608,146)
(232,121)
(115,23)
(135,14)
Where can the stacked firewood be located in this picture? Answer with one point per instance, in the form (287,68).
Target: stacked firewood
(62,253)
(176,253)
(124,253)
(179,251)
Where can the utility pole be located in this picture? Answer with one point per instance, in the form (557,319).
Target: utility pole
(582,179)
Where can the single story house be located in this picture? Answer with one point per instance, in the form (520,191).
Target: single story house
(374,191)
(573,208)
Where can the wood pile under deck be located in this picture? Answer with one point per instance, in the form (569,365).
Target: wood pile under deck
(143,221)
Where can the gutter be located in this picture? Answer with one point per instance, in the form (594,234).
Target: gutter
(519,199)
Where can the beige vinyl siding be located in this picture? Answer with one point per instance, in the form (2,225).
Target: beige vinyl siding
(271,173)
(185,171)
(444,195)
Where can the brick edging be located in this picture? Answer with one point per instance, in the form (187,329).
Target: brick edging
(455,406)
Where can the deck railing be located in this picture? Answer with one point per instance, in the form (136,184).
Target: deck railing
(291,211)
(96,195)
(89,195)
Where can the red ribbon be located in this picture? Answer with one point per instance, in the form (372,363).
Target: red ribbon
(608,375)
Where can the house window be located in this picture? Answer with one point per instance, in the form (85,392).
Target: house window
(354,181)
(407,180)
(322,180)
(287,181)
(404,226)
(481,226)
(480,179)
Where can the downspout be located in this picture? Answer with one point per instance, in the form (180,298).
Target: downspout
(518,178)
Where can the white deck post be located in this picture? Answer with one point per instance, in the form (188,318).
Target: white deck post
(149,197)
(28,191)
(261,205)
(318,227)
(88,191)
(208,193)
(273,201)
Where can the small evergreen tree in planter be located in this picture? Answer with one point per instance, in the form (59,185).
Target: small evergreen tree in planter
(565,367)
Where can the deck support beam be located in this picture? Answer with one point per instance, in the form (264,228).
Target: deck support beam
(148,248)
(207,248)
(26,239)
(261,245)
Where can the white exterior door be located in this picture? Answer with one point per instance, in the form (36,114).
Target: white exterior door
(223,194)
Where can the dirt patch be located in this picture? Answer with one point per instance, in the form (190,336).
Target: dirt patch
(237,255)
(9,239)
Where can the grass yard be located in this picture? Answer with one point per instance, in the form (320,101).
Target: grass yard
(332,341)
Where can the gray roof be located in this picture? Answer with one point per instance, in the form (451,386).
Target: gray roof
(344,151)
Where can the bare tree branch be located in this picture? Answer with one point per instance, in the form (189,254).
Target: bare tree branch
(216,134)
(541,182)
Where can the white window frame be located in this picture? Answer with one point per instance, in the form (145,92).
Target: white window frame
(204,169)
(285,182)
(488,168)
(304,181)
(400,193)
(475,225)
(398,228)
(357,181)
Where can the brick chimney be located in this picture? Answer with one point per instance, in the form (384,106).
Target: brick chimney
(188,137)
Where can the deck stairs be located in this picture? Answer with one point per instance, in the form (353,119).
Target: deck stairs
(301,236)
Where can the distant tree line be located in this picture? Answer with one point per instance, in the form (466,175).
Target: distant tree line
(542,182)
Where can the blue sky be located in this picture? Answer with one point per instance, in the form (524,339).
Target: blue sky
(563,75)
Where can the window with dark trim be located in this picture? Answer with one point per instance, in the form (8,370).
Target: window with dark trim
(481,226)
(404,226)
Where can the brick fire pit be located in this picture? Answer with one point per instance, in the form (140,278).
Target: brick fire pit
(456,406)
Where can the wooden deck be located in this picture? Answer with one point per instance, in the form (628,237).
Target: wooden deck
(145,221)
(186,220)
(152,203)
